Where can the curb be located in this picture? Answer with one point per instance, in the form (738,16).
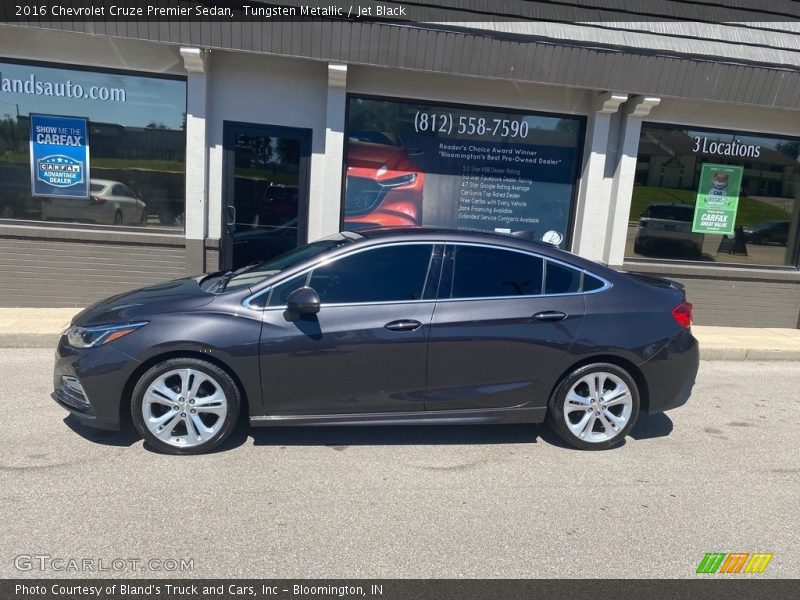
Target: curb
(29,340)
(750,354)
(50,340)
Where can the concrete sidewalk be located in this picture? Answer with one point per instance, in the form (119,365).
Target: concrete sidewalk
(40,328)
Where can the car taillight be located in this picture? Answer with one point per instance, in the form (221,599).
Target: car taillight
(683,314)
(98,200)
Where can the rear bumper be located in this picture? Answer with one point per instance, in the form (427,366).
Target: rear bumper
(675,237)
(671,373)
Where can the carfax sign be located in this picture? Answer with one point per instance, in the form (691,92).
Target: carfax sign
(59,156)
(717,199)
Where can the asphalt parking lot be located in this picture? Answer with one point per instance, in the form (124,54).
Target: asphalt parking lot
(720,474)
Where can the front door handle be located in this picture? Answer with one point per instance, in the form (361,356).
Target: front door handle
(550,315)
(403,325)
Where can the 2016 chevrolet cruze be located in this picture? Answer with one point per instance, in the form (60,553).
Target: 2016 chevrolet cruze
(384,326)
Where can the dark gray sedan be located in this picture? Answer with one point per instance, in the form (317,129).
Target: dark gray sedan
(412,326)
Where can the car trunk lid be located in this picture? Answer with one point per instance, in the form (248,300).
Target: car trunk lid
(658,282)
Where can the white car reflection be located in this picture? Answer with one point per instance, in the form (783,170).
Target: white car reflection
(109,203)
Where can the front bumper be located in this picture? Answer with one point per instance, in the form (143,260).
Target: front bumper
(89,382)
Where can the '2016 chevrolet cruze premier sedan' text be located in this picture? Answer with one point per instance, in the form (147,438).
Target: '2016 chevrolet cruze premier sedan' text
(385,326)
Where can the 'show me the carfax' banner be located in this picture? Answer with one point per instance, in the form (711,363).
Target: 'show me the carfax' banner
(59,156)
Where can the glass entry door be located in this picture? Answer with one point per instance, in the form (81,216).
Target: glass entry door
(266,191)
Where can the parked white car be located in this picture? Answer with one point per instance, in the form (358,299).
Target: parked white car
(662,226)
(109,203)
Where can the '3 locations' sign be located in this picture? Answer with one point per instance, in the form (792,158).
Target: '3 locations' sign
(59,156)
(702,145)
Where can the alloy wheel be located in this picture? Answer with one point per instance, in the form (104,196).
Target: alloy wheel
(598,407)
(184,407)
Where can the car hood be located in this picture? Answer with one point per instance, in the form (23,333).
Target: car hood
(171,296)
(374,156)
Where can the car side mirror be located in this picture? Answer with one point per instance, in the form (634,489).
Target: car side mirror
(303,301)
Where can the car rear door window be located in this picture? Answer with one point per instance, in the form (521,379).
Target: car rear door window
(483,272)
(386,274)
(561,279)
(591,283)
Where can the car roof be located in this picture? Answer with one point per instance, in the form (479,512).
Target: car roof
(436,234)
(671,204)
(444,234)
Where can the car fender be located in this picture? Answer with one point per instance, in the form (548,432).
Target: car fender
(224,338)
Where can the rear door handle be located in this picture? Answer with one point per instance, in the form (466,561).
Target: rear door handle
(403,325)
(550,315)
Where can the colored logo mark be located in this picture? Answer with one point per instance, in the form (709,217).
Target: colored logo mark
(734,562)
(60,171)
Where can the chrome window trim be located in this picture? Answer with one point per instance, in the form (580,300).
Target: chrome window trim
(346,304)
(247,302)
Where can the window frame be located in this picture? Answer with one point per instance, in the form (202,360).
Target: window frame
(580,148)
(678,263)
(171,232)
(436,281)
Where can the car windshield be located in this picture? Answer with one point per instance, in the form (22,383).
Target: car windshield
(373,137)
(670,212)
(258,272)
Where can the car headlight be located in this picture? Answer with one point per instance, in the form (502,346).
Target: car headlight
(398,181)
(89,337)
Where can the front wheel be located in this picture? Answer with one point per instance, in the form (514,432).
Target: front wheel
(185,406)
(594,407)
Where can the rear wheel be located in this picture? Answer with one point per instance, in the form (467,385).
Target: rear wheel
(185,406)
(595,406)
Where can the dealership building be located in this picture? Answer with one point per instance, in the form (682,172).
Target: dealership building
(135,152)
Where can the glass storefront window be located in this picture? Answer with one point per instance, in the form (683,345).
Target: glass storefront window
(136,133)
(461,167)
(715,197)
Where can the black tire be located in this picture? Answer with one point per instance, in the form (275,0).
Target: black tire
(219,377)
(557,419)
(118,218)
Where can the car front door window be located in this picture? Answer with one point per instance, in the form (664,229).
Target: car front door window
(395,273)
